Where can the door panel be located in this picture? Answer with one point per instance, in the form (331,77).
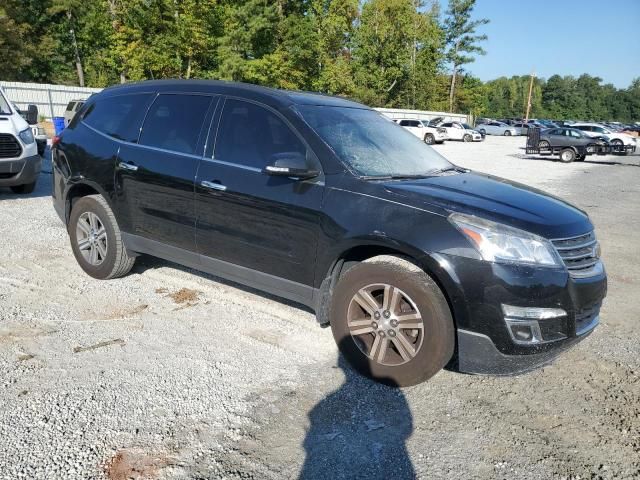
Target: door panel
(251,219)
(155,179)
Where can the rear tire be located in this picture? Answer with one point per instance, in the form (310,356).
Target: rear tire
(429,139)
(26,188)
(507,133)
(96,239)
(408,337)
(483,132)
(567,155)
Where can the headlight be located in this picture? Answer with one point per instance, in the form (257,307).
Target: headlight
(26,136)
(503,244)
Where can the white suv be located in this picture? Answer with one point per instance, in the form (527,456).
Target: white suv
(20,163)
(422,130)
(614,138)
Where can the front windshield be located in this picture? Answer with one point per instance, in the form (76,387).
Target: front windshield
(4,106)
(371,145)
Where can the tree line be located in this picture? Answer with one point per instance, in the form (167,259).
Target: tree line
(386,53)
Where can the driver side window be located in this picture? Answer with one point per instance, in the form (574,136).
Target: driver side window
(253,136)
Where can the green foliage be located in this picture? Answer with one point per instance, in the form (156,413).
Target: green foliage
(395,53)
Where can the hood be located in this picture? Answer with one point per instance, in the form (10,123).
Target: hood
(496,199)
(12,124)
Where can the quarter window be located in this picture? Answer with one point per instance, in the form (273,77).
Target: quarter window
(174,122)
(253,136)
(118,116)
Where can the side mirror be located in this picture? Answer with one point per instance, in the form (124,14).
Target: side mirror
(32,115)
(290,164)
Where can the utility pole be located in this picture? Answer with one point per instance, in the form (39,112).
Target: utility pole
(526,115)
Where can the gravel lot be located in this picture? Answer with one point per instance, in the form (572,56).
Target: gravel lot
(169,373)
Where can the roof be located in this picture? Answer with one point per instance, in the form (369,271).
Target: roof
(267,95)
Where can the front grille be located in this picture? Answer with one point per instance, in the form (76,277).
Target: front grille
(580,254)
(587,318)
(9,146)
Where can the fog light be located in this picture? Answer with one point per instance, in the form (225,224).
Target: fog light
(522,322)
(527,313)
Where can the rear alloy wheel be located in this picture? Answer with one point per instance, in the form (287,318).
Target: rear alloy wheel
(567,155)
(507,133)
(391,321)
(429,139)
(96,240)
(467,137)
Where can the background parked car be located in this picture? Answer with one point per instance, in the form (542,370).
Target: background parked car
(461,131)
(424,131)
(595,130)
(496,128)
(574,140)
(72,107)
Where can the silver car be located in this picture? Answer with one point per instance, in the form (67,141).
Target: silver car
(496,128)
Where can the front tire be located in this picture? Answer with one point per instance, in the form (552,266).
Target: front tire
(429,139)
(567,155)
(96,239)
(619,144)
(467,138)
(392,322)
(24,189)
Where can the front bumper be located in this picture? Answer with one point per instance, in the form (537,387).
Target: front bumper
(20,172)
(478,291)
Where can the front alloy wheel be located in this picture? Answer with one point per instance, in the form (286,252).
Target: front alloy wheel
(385,324)
(391,321)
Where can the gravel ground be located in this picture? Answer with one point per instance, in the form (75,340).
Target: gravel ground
(169,373)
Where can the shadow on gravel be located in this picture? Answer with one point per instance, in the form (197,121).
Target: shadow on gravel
(43,186)
(359,431)
(147,262)
(555,159)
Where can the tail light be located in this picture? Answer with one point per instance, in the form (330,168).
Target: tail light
(55,141)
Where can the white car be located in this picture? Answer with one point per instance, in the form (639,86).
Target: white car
(461,131)
(20,163)
(72,108)
(615,138)
(497,128)
(422,130)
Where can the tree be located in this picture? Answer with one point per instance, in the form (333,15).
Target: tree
(461,38)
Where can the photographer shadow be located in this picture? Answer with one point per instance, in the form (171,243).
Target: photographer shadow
(359,431)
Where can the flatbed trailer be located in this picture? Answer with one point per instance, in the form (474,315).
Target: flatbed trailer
(568,153)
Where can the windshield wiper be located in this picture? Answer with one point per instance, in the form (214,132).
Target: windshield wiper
(394,177)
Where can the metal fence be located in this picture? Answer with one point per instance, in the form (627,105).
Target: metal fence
(394,113)
(51,100)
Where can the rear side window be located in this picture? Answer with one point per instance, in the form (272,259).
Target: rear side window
(70,106)
(119,116)
(174,122)
(253,136)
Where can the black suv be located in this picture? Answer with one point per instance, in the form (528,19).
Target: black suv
(414,262)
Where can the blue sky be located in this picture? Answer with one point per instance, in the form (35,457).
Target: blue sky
(568,37)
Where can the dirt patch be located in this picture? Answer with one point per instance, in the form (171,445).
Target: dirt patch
(117,341)
(132,464)
(182,296)
(126,312)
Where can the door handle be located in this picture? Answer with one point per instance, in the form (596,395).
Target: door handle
(213,185)
(128,166)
